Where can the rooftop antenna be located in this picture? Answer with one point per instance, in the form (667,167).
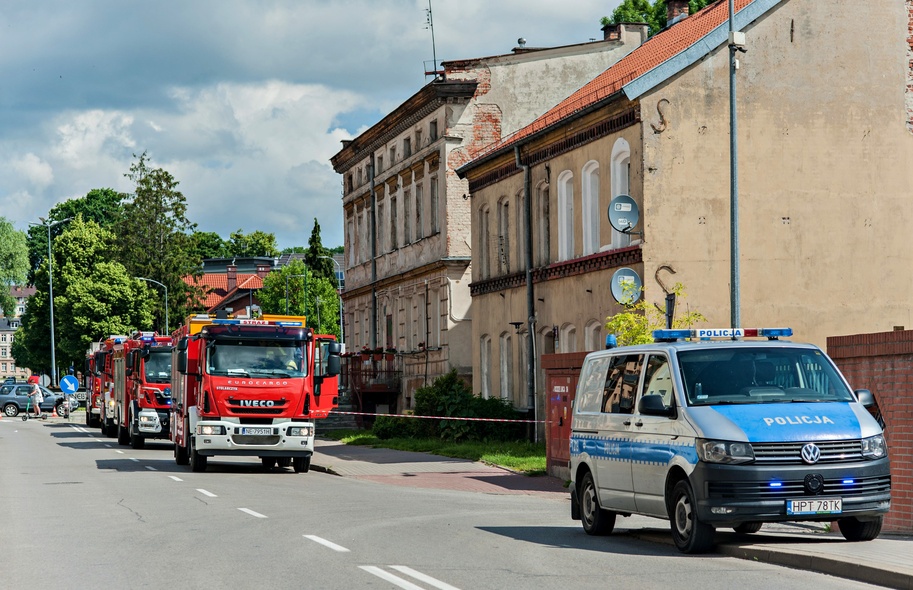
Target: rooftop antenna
(429,24)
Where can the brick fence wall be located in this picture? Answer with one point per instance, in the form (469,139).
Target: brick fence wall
(883,363)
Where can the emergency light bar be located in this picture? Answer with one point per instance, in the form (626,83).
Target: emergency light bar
(731,333)
(255,323)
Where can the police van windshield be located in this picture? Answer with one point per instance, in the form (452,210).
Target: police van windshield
(760,375)
(255,358)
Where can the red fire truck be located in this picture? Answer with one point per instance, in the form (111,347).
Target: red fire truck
(113,345)
(251,387)
(92,383)
(142,388)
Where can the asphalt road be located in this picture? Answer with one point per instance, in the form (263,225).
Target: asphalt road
(79,511)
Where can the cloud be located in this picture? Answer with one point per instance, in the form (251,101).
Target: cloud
(35,171)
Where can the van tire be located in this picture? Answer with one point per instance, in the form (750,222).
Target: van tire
(688,532)
(747,528)
(854,529)
(596,521)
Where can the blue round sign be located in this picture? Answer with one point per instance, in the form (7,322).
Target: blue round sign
(69,384)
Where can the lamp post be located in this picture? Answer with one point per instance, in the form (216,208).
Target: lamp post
(338,282)
(167,332)
(47,223)
(305,291)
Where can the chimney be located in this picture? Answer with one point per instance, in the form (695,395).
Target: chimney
(676,10)
(231,272)
(262,270)
(611,33)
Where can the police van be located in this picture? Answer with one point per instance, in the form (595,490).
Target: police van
(711,429)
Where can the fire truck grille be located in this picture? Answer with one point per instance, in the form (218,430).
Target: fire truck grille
(253,439)
(235,407)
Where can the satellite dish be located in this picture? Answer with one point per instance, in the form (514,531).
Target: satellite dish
(623,213)
(626,285)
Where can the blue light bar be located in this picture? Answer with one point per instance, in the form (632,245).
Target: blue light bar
(776,484)
(729,333)
(848,482)
(288,323)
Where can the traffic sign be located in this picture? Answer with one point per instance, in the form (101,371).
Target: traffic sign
(69,384)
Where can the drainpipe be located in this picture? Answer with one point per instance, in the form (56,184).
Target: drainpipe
(530,294)
(373,225)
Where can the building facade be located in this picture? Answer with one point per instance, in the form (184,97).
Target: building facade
(824,211)
(406,212)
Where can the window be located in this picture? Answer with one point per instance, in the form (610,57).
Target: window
(435,222)
(590,207)
(434,335)
(484,237)
(394,244)
(568,340)
(621,174)
(593,336)
(543,239)
(358,176)
(621,384)
(349,186)
(565,215)
(407,217)
(419,221)
(658,379)
(382,221)
(485,365)
(380,164)
(418,139)
(392,155)
(407,147)
(350,240)
(506,354)
(503,236)
(521,230)
(421,322)
(432,130)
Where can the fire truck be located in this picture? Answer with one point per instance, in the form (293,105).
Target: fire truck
(105,365)
(250,387)
(92,383)
(142,388)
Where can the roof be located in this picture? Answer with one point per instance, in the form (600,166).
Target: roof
(215,286)
(658,59)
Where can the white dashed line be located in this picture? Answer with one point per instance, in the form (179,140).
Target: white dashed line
(423,577)
(205,493)
(107,446)
(251,512)
(395,580)
(151,468)
(118,451)
(175,478)
(326,543)
(134,459)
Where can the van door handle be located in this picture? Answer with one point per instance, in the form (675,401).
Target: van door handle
(638,423)
(627,422)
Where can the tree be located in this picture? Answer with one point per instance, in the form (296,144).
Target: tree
(308,295)
(635,325)
(208,244)
(315,257)
(155,238)
(257,243)
(14,263)
(642,11)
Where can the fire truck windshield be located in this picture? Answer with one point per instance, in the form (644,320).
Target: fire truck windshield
(254,358)
(158,366)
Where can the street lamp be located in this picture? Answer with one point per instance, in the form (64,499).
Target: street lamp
(305,291)
(47,223)
(166,299)
(338,282)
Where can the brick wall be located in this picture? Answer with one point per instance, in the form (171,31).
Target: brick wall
(883,363)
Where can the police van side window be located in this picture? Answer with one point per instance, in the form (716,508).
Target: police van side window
(658,379)
(589,388)
(621,384)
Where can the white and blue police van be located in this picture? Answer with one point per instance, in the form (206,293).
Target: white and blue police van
(710,429)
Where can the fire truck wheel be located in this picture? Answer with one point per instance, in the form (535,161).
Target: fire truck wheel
(284,462)
(181,456)
(197,461)
(110,428)
(123,436)
(137,441)
(301,464)
(268,462)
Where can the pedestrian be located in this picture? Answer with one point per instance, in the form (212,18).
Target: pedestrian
(37,398)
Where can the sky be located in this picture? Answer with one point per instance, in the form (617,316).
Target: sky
(244,102)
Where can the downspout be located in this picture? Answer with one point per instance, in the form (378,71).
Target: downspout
(373,225)
(530,294)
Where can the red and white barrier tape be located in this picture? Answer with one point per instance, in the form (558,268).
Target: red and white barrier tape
(438,417)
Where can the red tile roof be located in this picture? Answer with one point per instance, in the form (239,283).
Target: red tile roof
(215,285)
(655,51)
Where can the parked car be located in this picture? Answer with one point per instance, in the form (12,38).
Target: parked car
(15,399)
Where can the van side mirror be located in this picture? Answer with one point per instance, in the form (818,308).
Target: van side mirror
(653,405)
(865,397)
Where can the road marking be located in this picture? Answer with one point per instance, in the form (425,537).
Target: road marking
(205,493)
(396,580)
(326,543)
(119,451)
(134,459)
(108,446)
(151,468)
(175,478)
(423,577)
(252,513)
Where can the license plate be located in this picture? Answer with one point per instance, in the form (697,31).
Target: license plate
(816,506)
(260,431)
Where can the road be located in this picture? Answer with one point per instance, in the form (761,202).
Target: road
(79,511)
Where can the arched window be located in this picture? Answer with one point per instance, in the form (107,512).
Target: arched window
(593,336)
(521,230)
(565,215)
(590,205)
(485,365)
(506,354)
(543,240)
(621,171)
(568,339)
(350,238)
(484,240)
(503,236)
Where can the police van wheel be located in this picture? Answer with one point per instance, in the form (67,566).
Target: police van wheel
(596,521)
(689,533)
(268,462)
(284,461)
(854,529)
(746,528)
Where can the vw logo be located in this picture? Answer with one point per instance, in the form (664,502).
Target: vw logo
(811,453)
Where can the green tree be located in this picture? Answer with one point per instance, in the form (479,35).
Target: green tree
(636,323)
(155,239)
(208,244)
(14,263)
(642,11)
(104,206)
(309,295)
(257,243)
(294,250)
(316,256)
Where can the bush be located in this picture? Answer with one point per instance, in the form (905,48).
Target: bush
(387,427)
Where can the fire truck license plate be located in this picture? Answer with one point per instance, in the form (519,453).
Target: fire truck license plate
(817,506)
(260,431)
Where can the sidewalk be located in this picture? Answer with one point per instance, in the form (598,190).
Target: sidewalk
(886,561)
